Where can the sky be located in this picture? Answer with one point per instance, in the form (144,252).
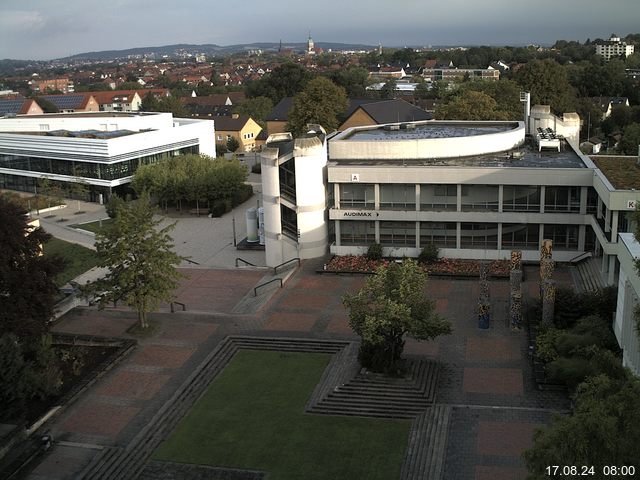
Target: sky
(48,29)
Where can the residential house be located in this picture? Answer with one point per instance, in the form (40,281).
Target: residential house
(241,127)
(614,48)
(364,112)
(73,102)
(19,106)
(63,85)
(279,116)
(118,100)
(607,104)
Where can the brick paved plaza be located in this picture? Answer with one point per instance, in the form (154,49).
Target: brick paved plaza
(485,374)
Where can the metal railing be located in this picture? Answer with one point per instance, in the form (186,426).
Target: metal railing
(238,259)
(173,309)
(275,269)
(255,290)
(579,258)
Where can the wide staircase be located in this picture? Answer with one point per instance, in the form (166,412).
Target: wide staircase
(587,276)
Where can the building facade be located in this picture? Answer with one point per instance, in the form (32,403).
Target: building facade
(101,150)
(613,48)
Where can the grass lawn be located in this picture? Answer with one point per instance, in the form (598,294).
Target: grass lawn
(94,226)
(252,417)
(77,259)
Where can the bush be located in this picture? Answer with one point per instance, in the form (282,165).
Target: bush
(256,168)
(112,205)
(218,208)
(587,362)
(374,252)
(244,193)
(546,344)
(429,254)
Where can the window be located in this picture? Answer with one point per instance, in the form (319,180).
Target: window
(440,234)
(44,127)
(565,237)
(562,199)
(287,173)
(479,235)
(357,195)
(520,235)
(357,233)
(521,198)
(398,234)
(220,137)
(397,197)
(480,198)
(289,221)
(438,197)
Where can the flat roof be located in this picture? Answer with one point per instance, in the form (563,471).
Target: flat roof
(413,131)
(86,115)
(525,156)
(623,172)
(105,135)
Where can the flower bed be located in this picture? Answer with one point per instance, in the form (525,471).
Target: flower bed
(444,266)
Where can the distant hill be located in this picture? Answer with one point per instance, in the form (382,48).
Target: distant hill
(208,49)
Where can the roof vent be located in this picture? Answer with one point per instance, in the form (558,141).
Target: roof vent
(392,127)
(408,126)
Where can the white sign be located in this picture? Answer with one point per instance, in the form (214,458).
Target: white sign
(355,177)
(631,204)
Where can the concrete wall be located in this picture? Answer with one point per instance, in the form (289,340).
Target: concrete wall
(628,293)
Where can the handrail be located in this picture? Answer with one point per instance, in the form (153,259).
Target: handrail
(255,290)
(243,260)
(275,269)
(577,257)
(190,261)
(184,307)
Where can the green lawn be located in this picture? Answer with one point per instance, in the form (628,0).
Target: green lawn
(252,417)
(94,226)
(77,259)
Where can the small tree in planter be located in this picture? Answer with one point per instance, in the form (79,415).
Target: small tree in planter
(374,252)
(391,305)
(429,254)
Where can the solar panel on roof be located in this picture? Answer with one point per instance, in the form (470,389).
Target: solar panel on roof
(10,106)
(65,102)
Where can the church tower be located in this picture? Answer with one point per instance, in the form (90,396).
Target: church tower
(310,45)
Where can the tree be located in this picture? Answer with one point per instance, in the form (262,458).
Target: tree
(139,256)
(388,90)
(257,108)
(390,306)
(470,105)
(46,105)
(232,144)
(630,141)
(353,79)
(284,81)
(27,288)
(149,103)
(548,83)
(320,102)
(601,431)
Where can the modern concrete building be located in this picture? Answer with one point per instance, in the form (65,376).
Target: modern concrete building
(614,47)
(624,325)
(100,149)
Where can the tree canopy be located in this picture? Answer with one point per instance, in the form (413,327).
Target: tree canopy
(549,85)
(284,81)
(27,288)
(140,258)
(601,431)
(257,108)
(390,305)
(320,102)
(354,79)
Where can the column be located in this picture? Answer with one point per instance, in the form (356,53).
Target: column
(336,195)
(338,234)
(417,234)
(541,235)
(584,191)
(543,190)
(599,208)
(376,196)
(459,198)
(417,197)
(612,270)
(458,239)
(500,234)
(614,225)
(607,221)
(377,231)
(500,200)
(582,235)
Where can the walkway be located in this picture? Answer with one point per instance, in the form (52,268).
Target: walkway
(485,381)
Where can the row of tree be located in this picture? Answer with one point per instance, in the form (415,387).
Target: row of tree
(191,178)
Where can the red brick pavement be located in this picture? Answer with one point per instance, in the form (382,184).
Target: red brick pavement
(504,438)
(493,349)
(187,331)
(427,348)
(499,473)
(99,419)
(319,284)
(339,323)
(94,323)
(162,356)
(304,300)
(501,381)
(289,321)
(132,385)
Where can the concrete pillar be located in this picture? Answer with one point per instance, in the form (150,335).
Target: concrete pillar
(599,208)
(377,231)
(500,200)
(417,197)
(338,233)
(376,196)
(540,235)
(417,234)
(605,259)
(607,221)
(614,226)
(271,205)
(459,198)
(499,236)
(582,236)
(612,270)
(584,191)
(543,191)
(458,236)
(336,195)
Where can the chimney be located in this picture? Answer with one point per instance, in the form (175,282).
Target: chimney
(235,116)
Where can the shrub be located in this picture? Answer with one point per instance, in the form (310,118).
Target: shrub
(587,362)
(112,205)
(244,193)
(218,208)
(256,168)
(374,252)
(429,254)
(546,344)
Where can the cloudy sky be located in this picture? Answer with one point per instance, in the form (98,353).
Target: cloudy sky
(46,29)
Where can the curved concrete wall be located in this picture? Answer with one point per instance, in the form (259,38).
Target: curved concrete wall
(342,148)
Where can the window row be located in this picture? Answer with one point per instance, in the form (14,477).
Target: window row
(444,234)
(515,198)
(104,171)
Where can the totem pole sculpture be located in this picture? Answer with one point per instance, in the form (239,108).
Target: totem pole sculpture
(484,304)
(547,285)
(515,290)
